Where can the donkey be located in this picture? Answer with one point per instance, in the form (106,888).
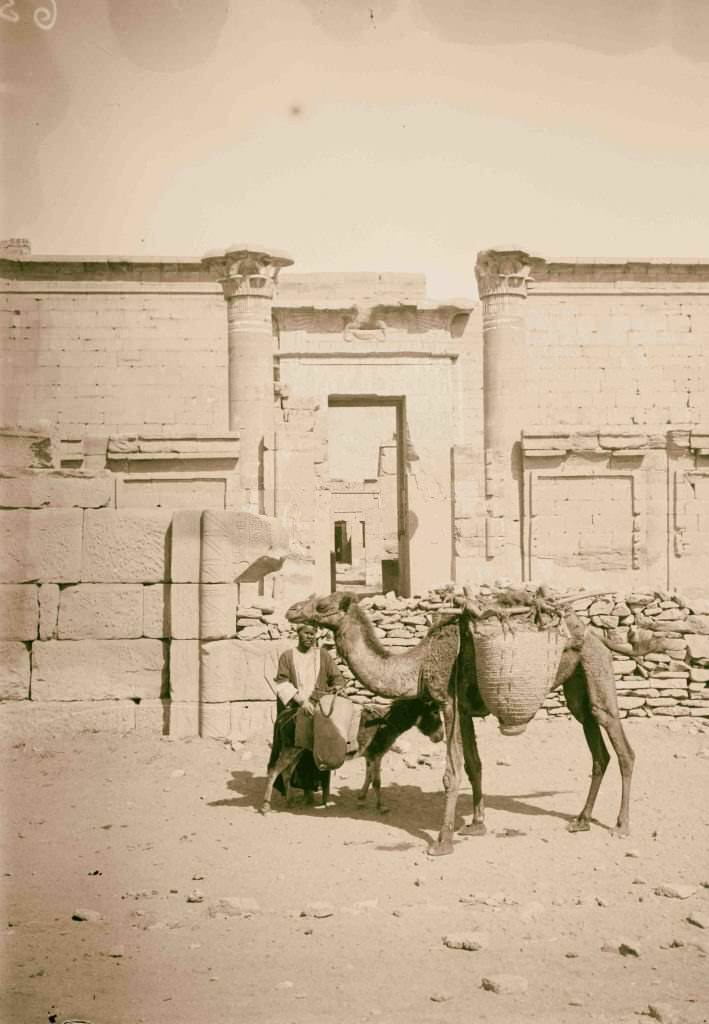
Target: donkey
(376,735)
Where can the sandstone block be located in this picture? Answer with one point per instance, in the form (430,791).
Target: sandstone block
(156,607)
(183,719)
(44,720)
(184,611)
(14,670)
(184,670)
(698,623)
(19,611)
(238,670)
(152,717)
(57,489)
(215,721)
(48,610)
(40,545)
(697,646)
(626,703)
(240,546)
(100,611)
(98,669)
(185,546)
(218,603)
(25,449)
(252,720)
(699,675)
(125,546)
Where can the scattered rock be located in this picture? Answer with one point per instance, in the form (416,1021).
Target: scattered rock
(318,910)
(283,986)
(618,946)
(195,896)
(505,984)
(178,773)
(439,997)
(470,941)
(117,951)
(86,915)
(665,1013)
(234,906)
(675,891)
(699,919)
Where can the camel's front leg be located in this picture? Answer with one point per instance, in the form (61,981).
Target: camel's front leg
(451,778)
(474,771)
(362,795)
(284,766)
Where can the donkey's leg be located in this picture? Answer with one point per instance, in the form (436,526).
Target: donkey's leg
(285,761)
(377,783)
(451,778)
(325,788)
(362,795)
(597,664)
(474,771)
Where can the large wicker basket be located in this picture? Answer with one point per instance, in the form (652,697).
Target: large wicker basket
(516,666)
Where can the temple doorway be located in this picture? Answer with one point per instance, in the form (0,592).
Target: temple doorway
(368,541)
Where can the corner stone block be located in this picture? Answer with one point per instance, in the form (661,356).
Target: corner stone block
(697,646)
(156,609)
(42,545)
(185,546)
(184,611)
(100,611)
(14,670)
(56,488)
(19,611)
(48,610)
(217,609)
(126,546)
(239,670)
(98,669)
(240,546)
(184,670)
(252,720)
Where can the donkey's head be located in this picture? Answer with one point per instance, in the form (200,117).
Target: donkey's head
(430,722)
(326,611)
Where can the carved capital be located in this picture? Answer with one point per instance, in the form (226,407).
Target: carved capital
(242,270)
(503,272)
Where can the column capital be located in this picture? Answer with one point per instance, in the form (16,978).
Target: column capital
(246,270)
(503,272)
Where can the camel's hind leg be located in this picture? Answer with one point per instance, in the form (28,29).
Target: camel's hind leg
(474,771)
(451,778)
(591,696)
(362,795)
(284,766)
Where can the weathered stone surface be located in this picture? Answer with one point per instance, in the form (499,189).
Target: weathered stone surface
(238,670)
(14,670)
(505,984)
(184,670)
(185,546)
(240,546)
(215,721)
(184,611)
(42,545)
(698,646)
(217,610)
(57,489)
(25,449)
(100,611)
(183,719)
(31,719)
(156,607)
(19,611)
(48,610)
(97,669)
(122,546)
(152,717)
(252,719)
(698,623)
(470,941)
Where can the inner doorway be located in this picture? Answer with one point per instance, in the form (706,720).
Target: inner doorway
(368,543)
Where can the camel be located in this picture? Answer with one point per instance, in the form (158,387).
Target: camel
(442,666)
(376,735)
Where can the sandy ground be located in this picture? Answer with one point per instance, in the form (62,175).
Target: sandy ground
(130,828)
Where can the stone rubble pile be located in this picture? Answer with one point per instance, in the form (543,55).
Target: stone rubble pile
(673,683)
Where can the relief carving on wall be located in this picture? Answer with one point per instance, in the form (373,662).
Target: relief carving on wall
(365,326)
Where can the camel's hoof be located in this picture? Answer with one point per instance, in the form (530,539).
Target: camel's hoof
(473,828)
(264,808)
(578,825)
(620,832)
(440,849)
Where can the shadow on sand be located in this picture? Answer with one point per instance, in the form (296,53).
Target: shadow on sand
(411,809)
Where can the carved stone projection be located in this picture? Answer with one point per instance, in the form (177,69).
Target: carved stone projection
(365,326)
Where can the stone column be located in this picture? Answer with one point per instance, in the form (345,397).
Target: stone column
(502,278)
(248,278)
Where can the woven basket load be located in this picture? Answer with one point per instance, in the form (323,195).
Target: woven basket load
(516,667)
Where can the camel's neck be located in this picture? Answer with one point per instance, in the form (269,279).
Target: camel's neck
(381,672)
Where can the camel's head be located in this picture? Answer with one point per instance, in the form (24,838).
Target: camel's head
(327,611)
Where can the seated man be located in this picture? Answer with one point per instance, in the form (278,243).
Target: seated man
(304,674)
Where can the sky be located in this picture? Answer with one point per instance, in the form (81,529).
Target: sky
(381,135)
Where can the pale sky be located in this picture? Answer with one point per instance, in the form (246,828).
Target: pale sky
(382,135)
